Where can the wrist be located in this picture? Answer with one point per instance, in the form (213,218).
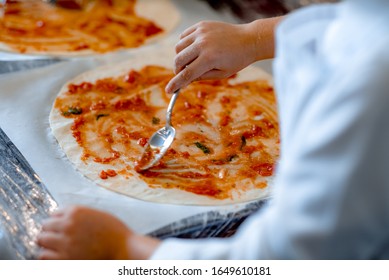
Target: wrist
(262,32)
(141,247)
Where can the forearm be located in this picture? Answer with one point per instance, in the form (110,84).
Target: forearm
(263,36)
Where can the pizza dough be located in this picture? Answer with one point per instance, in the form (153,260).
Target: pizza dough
(35,27)
(119,106)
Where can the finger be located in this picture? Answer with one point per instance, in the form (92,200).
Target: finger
(49,240)
(49,255)
(53,224)
(185,58)
(187,75)
(174,84)
(185,42)
(188,31)
(58,213)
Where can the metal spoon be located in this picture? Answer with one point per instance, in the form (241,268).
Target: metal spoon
(160,141)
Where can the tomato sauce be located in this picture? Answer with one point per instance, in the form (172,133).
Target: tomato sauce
(105,174)
(222,146)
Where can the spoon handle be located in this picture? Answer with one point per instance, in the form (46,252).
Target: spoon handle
(170,107)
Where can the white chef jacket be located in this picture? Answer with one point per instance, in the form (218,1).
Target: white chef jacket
(331,195)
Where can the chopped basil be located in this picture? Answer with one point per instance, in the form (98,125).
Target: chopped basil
(100,116)
(155,120)
(72,111)
(202,147)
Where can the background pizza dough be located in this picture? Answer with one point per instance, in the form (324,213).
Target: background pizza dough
(162,12)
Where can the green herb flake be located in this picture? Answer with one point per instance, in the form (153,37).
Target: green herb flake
(100,116)
(156,120)
(72,111)
(202,147)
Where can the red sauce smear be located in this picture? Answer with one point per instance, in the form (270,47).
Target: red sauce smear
(104,174)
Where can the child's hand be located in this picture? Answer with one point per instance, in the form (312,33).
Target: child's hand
(85,233)
(214,50)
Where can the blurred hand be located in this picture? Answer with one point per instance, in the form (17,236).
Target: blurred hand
(84,233)
(214,50)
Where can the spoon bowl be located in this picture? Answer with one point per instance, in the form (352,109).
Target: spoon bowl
(160,141)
